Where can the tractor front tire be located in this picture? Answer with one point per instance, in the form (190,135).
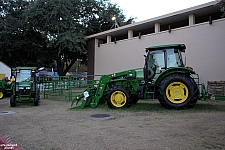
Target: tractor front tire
(36,99)
(178,91)
(12,101)
(119,97)
(1,95)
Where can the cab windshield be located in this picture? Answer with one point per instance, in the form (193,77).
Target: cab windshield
(165,58)
(159,60)
(174,58)
(23,75)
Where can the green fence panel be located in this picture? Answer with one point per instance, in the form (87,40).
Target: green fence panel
(65,87)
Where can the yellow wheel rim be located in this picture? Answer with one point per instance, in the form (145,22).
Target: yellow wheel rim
(1,95)
(177,92)
(118,98)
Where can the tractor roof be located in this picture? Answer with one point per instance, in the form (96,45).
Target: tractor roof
(26,68)
(182,47)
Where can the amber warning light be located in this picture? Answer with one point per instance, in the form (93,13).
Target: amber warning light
(190,67)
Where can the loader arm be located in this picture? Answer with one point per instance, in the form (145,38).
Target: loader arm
(92,95)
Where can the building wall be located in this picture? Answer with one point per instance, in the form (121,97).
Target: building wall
(91,53)
(4,69)
(205,50)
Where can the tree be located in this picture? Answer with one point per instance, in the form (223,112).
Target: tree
(222,7)
(102,20)
(12,31)
(221,4)
(51,33)
(58,22)
(65,23)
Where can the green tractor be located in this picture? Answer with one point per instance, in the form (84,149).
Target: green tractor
(5,88)
(164,77)
(26,86)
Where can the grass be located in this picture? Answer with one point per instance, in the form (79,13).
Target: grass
(156,107)
(25,104)
(153,106)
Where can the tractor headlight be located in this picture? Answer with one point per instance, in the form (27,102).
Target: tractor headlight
(114,75)
(21,88)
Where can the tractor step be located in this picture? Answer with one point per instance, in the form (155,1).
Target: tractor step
(152,96)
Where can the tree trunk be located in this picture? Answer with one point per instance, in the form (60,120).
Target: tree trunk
(60,67)
(69,66)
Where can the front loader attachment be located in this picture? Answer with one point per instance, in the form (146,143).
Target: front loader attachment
(92,95)
(87,98)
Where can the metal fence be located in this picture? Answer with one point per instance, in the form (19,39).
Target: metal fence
(64,87)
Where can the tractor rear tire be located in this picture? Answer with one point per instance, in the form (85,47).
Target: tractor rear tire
(195,99)
(178,91)
(36,100)
(1,95)
(119,97)
(12,101)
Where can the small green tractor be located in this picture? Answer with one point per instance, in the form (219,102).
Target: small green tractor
(25,86)
(5,88)
(164,77)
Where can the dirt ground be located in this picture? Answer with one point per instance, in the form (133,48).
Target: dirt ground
(52,126)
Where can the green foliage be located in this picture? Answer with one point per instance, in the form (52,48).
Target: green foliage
(40,32)
(20,45)
(221,4)
(222,7)
(102,19)
(156,107)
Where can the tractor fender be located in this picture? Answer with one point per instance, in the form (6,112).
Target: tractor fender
(172,71)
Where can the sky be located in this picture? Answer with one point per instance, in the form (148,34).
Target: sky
(147,9)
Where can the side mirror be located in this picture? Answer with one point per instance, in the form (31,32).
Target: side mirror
(40,69)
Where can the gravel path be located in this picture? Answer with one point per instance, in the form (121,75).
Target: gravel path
(52,126)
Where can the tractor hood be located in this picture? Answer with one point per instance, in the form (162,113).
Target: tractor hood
(132,73)
(23,85)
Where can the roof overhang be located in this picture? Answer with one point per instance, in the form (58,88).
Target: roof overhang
(199,10)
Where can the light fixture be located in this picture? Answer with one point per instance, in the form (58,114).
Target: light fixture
(115,24)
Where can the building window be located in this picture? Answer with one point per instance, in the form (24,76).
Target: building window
(205,18)
(175,25)
(119,37)
(144,32)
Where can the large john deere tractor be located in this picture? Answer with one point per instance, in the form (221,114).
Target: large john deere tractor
(164,77)
(26,87)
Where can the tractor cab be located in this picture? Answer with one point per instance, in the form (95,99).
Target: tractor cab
(25,79)
(26,87)
(161,58)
